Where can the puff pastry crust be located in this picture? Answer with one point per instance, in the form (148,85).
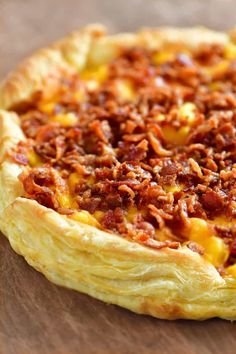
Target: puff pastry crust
(166,283)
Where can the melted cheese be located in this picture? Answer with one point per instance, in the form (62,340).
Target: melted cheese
(34,159)
(230,51)
(73,179)
(66,201)
(187,112)
(174,188)
(47,107)
(176,136)
(132,212)
(214,86)
(163,56)
(98,215)
(216,251)
(217,69)
(221,221)
(231,270)
(187,115)
(85,217)
(94,77)
(65,119)
(125,90)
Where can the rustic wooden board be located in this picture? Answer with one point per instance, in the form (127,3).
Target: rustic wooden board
(37,317)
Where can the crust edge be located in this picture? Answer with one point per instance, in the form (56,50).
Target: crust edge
(42,71)
(209,297)
(167,284)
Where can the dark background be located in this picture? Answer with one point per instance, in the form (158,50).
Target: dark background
(36,316)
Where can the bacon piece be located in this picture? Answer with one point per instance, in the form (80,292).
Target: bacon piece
(37,184)
(209,54)
(112,217)
(195,247)
(89,203)
(157,147)
(169,168)
(182,210)
(233,248)
(158,245)
(46,132)
(65,211)
(133,137)
(145,226)
(212,201)
(20,158)
(125,188)
(160,215)
(132,153)
(102,130)
(195,167)
(44,195)
(32,121)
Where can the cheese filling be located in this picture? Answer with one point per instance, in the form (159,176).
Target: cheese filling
(143,146)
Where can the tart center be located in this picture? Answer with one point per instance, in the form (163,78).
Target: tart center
(144,146)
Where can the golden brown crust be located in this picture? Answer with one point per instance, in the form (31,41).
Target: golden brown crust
(166,283)
(10,134)
(106,47)
(90,46)
(182,37)
(42,71)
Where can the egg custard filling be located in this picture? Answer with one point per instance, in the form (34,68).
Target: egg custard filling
(143,146)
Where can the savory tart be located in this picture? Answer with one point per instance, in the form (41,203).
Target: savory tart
(118,168)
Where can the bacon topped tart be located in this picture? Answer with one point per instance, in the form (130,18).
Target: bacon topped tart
(118,168)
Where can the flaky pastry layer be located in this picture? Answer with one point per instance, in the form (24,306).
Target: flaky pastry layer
(164,283)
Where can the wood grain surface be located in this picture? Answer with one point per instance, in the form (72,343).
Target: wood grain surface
(37,317)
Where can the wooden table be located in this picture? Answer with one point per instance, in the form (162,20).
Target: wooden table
(37,317)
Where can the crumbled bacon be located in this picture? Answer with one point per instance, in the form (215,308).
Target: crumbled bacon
(169,168)
(156,145)
(112,218)
(212,201)
(209,54)
(20,158)
(159,245)
(195,247)
(120,149)
(233,248)
(37,186)
(32,121)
